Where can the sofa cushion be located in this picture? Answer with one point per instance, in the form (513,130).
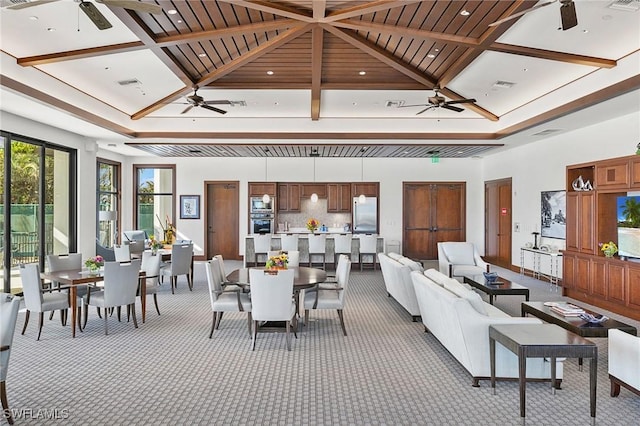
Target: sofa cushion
(394,256)
(455,287)
(460,254)
(471,296)
(413,265)
(436,276)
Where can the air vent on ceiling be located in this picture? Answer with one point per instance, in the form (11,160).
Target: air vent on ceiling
(129,82)
(238,103)
(626,5)
(503,84)
(546,132)
(394,104)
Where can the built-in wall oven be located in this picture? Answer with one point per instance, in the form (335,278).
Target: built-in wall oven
(261,216)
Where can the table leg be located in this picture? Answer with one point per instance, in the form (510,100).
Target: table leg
(491,299)
(522,379)
(526,297)
(492,355)
(553,375)
(73,294)
(593,376)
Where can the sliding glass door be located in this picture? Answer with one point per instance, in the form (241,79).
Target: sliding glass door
(36,214)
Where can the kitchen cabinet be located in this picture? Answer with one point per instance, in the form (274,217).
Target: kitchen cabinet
(369,189)
(258,189)
(289,197)
(635,173)
(613,174)
(338,197)
(310,188)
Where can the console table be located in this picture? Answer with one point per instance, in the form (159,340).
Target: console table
(554,263)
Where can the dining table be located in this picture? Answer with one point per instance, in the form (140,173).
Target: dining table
(76,277)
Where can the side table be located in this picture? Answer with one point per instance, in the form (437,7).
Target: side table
(554,264)
(542,340)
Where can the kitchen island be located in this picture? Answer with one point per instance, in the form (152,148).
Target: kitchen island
(303,246)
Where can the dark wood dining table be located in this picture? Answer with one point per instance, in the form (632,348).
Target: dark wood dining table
(74,278)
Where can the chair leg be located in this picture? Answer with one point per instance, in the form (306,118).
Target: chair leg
(249,320)
(5,403)
(189,282)
(51,315)
(288,337)
(99,314)
(155,301)
(26,321)
(106,329)
(213,324)
(306,317)
(219,320)
(255,335)
(119,310)
(173,285)
(40,321)
(344,330)
(295,326)
(63,317)
(133,314)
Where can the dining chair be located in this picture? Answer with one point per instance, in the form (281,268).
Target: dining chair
(289,242)
(294,258)
(261,246)
(330,297)
(368,247)
(223,275)
(318,247)
(181,255)
(224,299)
(121,280)
(150,265)
(9,307)
(272,300)
(38,300)
(122,252)
(68,262)
(342,245)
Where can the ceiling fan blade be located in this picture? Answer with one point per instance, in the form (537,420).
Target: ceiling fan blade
(94,14)
(218,102)
(408,106)
(133,5)
(515,15)
(187,109)
(452,108)
(210,108)
(426,109)
(460,101)
(27,3)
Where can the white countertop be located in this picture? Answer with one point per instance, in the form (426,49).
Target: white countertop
(306,234)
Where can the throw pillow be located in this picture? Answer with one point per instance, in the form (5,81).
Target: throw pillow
(455,287)
(436,276)
(414,266)
(476,302)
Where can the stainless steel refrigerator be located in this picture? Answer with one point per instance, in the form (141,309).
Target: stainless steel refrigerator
(365,216)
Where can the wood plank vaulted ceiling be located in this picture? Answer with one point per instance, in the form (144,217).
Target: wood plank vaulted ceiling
(318,46)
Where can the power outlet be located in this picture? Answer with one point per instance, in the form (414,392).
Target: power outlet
(516,227)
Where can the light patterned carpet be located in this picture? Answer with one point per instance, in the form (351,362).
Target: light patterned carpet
(387,371)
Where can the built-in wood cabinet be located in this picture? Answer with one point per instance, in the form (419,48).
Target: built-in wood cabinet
(338,197)
(610,283)
(258,189)
(310,188)
(369,189)
(289,197)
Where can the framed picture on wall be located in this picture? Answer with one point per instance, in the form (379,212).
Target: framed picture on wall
(553,214)
(189,207)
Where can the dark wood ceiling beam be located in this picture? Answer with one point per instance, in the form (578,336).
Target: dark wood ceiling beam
(313,135)
(316,71)
(50,58)
(381,55)
(383,85)
(140,29)
(166,41)
(552,56)
(319,9)
(225,69)
(353,24)
(369,7)
(276,9)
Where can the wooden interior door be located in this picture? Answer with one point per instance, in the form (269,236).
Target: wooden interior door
(222,204)
(497,241)
(432,212)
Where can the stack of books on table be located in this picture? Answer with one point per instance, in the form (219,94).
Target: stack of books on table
(567,310)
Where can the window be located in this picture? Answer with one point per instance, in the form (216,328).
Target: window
(37,205)
(108,199)
(155,198)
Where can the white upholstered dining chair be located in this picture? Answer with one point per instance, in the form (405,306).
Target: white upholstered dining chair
(368,248)
(9,306)
(150,264)
(272,300)
(224,299)
(122,252)
(318,248)
(289,242)
(261,247)
(342,245)
(181,255)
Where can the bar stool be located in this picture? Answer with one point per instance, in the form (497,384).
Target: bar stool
(342,246)
(261,246)
(289,242)
(368,247)
(318,247)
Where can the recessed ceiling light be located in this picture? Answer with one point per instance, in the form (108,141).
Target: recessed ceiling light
(525,69)
(585,31)
(111,144)
(106,68)
(269,72)
(179,21)
(354,103)
(51,29)
(362,72)
(276,103)
(431,55)
(33,18)
(465,13)
(202,55)
(172,12)
(437,50)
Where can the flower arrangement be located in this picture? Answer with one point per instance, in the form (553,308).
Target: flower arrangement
(312,224)
(277,262)
(168,229)
(94,263)
(154,244)
(609,249)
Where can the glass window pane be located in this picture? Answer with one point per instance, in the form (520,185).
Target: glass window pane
(152,180)
(108,190)
(154,214)
(56,222)
(2,251)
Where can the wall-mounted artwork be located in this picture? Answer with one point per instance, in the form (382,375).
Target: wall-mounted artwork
(553,214)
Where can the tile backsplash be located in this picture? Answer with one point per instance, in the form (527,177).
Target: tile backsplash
(318,210)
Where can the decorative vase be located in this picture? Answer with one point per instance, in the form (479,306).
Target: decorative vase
(93,269)
(608,255)
(154,251)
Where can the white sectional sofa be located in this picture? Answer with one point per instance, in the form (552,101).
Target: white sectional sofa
(624,362)
(460,320)
(396,271)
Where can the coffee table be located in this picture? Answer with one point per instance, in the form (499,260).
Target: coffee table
(575,324)
(502,286)
(542,340)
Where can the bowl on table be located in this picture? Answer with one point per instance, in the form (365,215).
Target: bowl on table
(491,277)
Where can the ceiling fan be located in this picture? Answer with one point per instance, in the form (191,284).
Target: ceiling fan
(437,101)
(196,100)
(90,9)
(567,14)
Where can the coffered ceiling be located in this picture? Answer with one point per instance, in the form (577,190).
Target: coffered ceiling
(338,73)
